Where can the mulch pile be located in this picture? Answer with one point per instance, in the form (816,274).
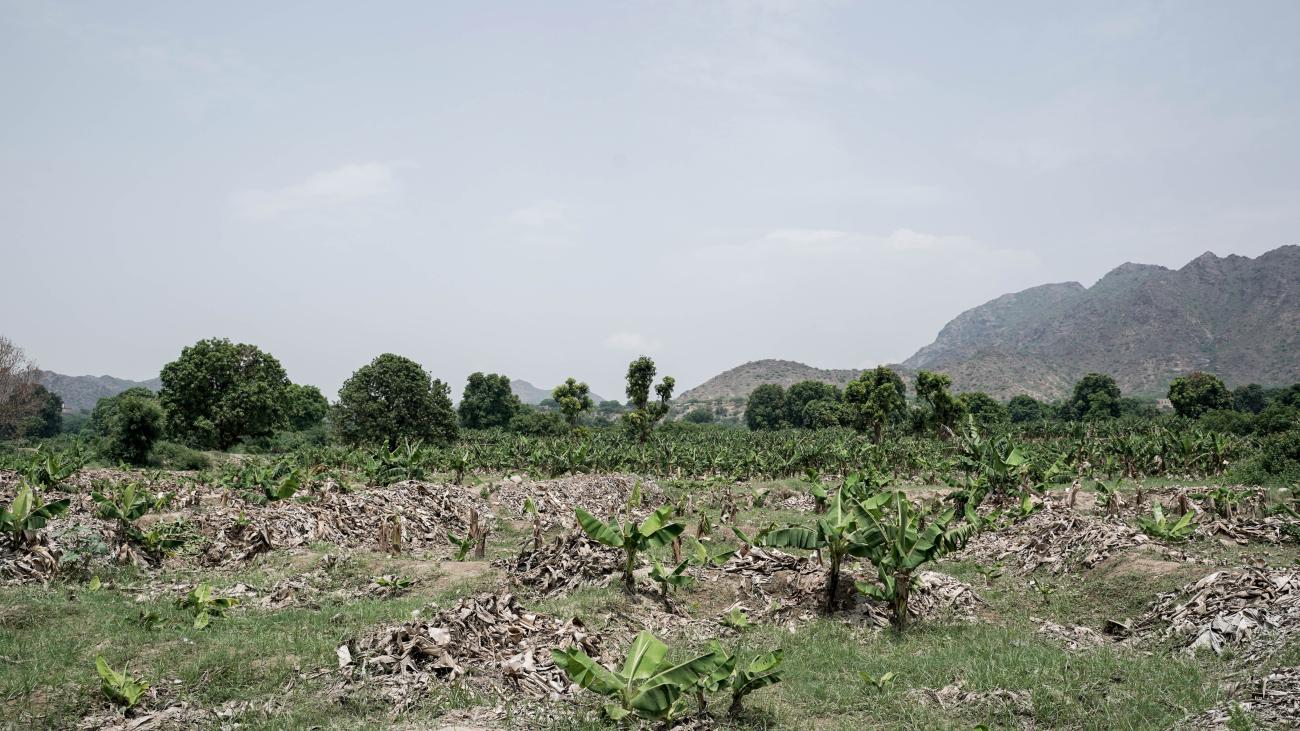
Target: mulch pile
(1253,610)
(568,562)
(489,640)
(1274,702)
(1057,539)
(600,495)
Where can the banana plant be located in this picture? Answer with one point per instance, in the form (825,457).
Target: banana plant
(124,502)
(648,685)
(28,513)
(49,468)
(121,688)
(1158,526)
(204,605)
(899,539)
(883,681)
(677,578)
(633,537)
(761,672)
(463,545)
(835,537)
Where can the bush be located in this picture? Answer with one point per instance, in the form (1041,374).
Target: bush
(532,422)
(699,415)
(1227,421)
(1276,462)
(130,432)
(392,399)
(173,456)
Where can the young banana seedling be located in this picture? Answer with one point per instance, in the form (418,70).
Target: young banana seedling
(27,514)
(632,536)
(204,605)
(122,689)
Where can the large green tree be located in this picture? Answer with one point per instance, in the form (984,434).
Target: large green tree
(873,399)
(1096,396)
(487,401)
(574,399)
(766,408)
(1197,393)
(306,407)
(47,422)
(218,392)
(131,426)
(1251,398)
(985,409)
(644,413)
(798,396)
(1023,408)
(393,398)
(944,410)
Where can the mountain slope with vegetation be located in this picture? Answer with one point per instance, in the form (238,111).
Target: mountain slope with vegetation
(83,392)
(1233,316)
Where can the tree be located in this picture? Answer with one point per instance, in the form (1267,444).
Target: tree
(766,408)
(824,414)
(984,408)
(1250,398)
(873,399)
(534,422)
(798,396)
(574,399)
(106,408)
(134,423)
(19,400)
(699,415)
(393,398)
(932,388)
(218,392)
(487,401)
(1196,393)
(305,407)
(1096,396)
(644,414)
(1023,408)
(47,422)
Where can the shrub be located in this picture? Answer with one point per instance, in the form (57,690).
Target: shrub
(1197,393)
(135,424)
(173,456)
(532,422)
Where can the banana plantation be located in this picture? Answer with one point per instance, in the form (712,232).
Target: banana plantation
(1076,576)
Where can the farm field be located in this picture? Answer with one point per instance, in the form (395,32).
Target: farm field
(336,588)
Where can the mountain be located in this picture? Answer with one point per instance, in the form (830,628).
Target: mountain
(530,394)
(83,392)
(726,392)
(1233,316)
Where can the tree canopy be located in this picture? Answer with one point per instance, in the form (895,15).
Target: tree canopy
(394,398)
(1024,408)
(306,407)
(798,396)
(1197,393)
(873,399)
(644,414)
(1096,396)
(944,410)
(766,408)
(218,392)
(574,399)
(487,402)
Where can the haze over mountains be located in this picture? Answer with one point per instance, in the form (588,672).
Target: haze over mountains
(1234,316)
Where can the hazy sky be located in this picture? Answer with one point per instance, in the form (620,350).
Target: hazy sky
(549,189)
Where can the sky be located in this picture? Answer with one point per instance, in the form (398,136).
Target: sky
(552,189)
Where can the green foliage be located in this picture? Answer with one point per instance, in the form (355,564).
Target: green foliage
(48,420)
(217,392)
(393,398)
(1197,393)
(205,605)
(533,422)
(49,467)
(1250,398)
(305,407)
(835,536)
(766,408)
(677,578)
(879,683)
(487,402)
(574,399)
(1022,409)
(874,399)
(1095,396)
(120,688)
(632,536)
(824,414)
(648,685)
(644,414)
(28,513)
(133,424)
(899,539)
(462,545)
(983,408)
(699,415)
(1157,526)
(944,410)
(798,396)
(173,456)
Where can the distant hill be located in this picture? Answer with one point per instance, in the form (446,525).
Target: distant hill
(83,392)
(530,394)
(1233,316)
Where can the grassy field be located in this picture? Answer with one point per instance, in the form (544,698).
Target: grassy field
(271,668)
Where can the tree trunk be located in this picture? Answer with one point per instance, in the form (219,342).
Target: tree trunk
(902,587)
(629,562)
(833,583)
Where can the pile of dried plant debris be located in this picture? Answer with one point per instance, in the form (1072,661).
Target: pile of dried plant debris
(1058,539)
(1248,609)
(568,562)
(954,697)
(602,495)
(489,641)
(1274,702)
